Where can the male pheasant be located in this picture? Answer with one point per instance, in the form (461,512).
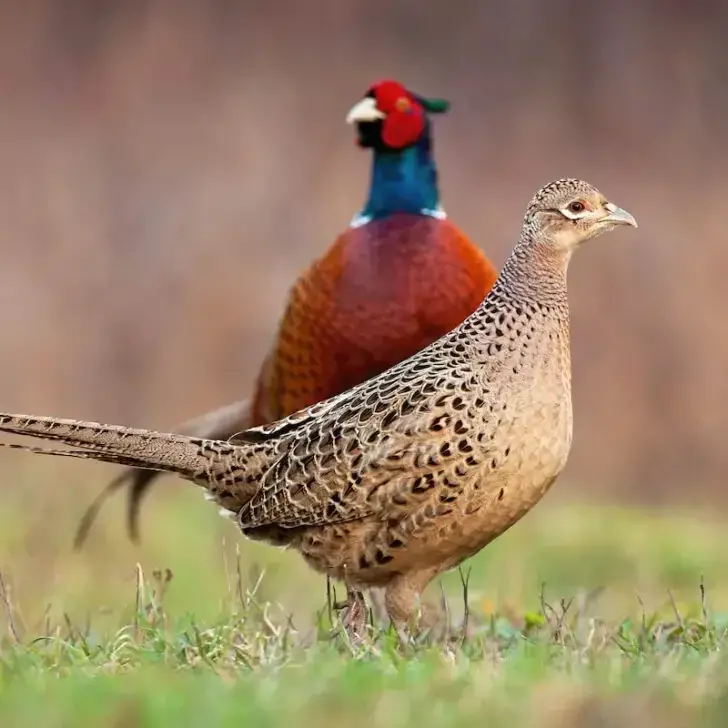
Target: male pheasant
(401,275)
(409,473)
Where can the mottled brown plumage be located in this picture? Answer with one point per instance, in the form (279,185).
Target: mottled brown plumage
(408,474)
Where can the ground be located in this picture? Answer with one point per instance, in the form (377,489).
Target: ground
(581,615)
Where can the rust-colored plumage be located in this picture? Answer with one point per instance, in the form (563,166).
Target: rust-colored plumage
(383,291)
(399,277)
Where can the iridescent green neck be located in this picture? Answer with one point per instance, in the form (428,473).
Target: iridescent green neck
(403,181)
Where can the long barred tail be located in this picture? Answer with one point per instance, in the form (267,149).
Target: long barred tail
(219,424)
(192,458)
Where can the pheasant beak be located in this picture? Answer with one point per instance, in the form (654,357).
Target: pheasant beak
(364,110)
(618,216)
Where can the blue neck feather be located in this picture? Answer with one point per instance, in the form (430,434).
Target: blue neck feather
(403,181)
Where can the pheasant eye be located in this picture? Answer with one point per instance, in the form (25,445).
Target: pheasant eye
(576,206)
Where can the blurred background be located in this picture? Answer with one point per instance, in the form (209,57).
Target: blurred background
(168,168)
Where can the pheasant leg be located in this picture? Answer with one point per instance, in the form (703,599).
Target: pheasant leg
(355,618)
(402,600)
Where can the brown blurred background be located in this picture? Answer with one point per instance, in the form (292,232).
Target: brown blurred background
(167,168)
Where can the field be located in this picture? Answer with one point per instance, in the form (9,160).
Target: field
(170,168)
(579,616)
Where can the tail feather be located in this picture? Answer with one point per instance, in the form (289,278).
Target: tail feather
(139,481)
(219,424)
(192,458)
(84,454)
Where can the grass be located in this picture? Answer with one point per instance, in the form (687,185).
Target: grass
(579,616)
(559,667)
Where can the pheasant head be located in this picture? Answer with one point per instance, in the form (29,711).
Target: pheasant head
(390,117)
(567,212)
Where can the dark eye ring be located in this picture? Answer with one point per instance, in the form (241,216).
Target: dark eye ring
(576,207)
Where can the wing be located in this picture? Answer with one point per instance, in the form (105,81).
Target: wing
(301,366)
(384,444)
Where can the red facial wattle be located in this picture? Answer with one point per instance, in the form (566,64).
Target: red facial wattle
(405,117)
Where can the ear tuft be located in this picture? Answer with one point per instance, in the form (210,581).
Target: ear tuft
(435,106)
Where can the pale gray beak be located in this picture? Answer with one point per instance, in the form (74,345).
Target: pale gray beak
(364,110)
(618,216)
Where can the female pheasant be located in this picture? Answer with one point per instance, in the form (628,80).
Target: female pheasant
(400,276)
(417,469)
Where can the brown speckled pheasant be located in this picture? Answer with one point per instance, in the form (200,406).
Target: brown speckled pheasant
(413,471)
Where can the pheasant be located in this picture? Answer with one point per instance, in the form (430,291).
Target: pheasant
(401,275)
(413,471)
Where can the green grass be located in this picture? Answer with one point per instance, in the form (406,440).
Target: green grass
(246,669)
(579,616)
